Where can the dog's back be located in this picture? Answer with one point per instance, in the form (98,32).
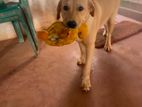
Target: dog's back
(108,8)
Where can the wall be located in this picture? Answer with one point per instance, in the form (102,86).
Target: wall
(136,1)
(44,12)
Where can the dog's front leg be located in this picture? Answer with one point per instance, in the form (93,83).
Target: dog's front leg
(90,46)
(86,84)
(82,58)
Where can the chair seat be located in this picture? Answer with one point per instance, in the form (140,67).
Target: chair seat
(10,12)
(7,19)
(9,6)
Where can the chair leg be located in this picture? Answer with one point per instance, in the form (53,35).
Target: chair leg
(18,31)
(30,24)
(27,31)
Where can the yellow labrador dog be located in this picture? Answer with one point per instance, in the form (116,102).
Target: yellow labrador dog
(75,12)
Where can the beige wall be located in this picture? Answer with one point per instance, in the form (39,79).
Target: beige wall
(44,12)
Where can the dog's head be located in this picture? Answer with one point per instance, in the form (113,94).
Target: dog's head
(74,12)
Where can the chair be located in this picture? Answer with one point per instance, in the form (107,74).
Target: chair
(19,14)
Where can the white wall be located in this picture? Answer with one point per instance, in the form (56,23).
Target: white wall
(44,11)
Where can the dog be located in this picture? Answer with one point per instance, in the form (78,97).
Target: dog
(75,12)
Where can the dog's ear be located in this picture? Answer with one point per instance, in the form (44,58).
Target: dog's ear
(59,9)
(91,8)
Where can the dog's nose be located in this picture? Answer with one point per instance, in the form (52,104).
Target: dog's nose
(71,24)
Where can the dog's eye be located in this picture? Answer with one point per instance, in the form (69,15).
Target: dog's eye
(66,8)
(80,8)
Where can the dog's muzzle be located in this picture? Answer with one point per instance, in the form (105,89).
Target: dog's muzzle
(71,24)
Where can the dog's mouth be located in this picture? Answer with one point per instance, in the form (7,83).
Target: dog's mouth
(70,24)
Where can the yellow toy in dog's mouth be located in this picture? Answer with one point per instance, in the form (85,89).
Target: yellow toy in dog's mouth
(58,35)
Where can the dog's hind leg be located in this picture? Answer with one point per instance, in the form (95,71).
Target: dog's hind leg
(105,31)
(109,29)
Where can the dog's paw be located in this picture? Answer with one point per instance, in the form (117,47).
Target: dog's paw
(80,62)
(108,48)
(86,85)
